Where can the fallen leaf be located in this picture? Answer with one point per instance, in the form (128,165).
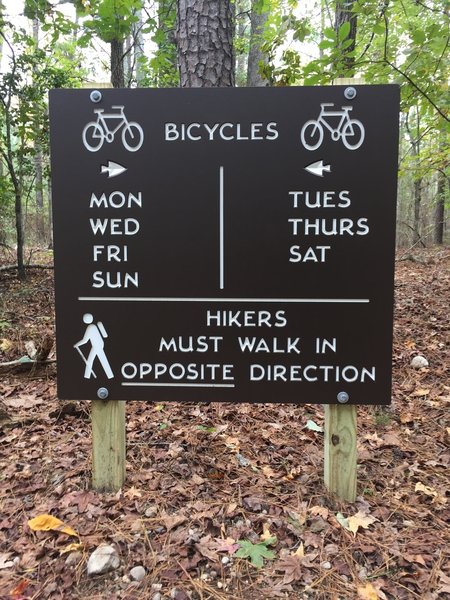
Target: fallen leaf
(132,493)
(5,345)
(421,392)
(361,519)
(173,521)
(269,472)
(429,491)
(228,545)
(5,563)
(50,523)
(266,534)
(74,547)
(320,511)
(18,591)
(295,564)
(368,592)
(256,552)
(313,426)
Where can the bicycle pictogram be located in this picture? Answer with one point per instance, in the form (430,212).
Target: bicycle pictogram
(350,131)
(96,133)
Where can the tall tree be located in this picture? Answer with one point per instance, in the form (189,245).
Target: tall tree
(204,37)
(112,21)
(345,26)
(257,58)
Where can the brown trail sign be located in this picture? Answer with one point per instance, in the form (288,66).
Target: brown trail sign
(225,244)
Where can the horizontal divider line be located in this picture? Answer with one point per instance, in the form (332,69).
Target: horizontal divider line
(223,300)
(209,385)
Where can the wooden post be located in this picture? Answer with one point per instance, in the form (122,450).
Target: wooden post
(340,426)
(108,445)
(340,450)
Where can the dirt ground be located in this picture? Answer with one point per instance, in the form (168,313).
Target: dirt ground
(212,490)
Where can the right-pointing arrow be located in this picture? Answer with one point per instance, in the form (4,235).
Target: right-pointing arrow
(318,168)
(112,169)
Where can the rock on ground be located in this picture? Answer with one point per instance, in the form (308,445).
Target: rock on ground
(103,559)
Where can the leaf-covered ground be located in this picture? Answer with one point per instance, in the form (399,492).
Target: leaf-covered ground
(214,491)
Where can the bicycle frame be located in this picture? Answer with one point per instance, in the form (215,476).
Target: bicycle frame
(344,114)
(102,117)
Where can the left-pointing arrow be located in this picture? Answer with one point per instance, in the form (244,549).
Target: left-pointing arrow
(112,168)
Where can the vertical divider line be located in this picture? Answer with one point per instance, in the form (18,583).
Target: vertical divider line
(221,229)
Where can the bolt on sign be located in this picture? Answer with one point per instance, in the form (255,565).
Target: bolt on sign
(225,244)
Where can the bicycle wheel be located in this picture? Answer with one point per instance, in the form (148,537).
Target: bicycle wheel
(132,136)
(353,134)
(311,135)
(93,136)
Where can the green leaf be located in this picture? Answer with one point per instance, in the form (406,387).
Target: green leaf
(329,33)
(379,28)
(324,44)
(418,36)
(256,552)
(344,30)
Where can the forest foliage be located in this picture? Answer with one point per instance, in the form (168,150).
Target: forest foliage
(134,43)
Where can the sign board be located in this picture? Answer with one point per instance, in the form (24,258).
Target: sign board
(225,244)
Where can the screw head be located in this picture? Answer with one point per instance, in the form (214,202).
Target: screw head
(350,93)
(343,397)
(96,96)
(102,393)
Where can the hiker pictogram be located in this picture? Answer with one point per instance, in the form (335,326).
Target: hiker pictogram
(95,334)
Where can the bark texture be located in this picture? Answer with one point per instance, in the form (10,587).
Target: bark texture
(205,43)
(117,71)
(344,13)
(255,55)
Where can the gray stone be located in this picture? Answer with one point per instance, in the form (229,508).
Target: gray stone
(73,559)
(103,559)
(418,362)
(137,573)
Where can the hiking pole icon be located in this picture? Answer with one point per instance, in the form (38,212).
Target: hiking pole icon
(85,360)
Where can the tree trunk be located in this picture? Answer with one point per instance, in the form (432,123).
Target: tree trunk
(117,74)
(439,213)
(345,14)
(204,36)
(442,186)
(241,26)
(38,160)
(138,47)
(19,230)
(256,56)
(417,211)
(128,61)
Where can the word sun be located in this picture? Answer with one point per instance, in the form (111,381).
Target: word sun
(108,254)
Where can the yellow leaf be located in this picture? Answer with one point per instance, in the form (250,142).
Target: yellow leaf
(266,535)
(359,520)
(268,472)
(421,392)
(429,491)
(321,511)
(368,592)
(300,551)
(74,547)
(5,345)
(48,522)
